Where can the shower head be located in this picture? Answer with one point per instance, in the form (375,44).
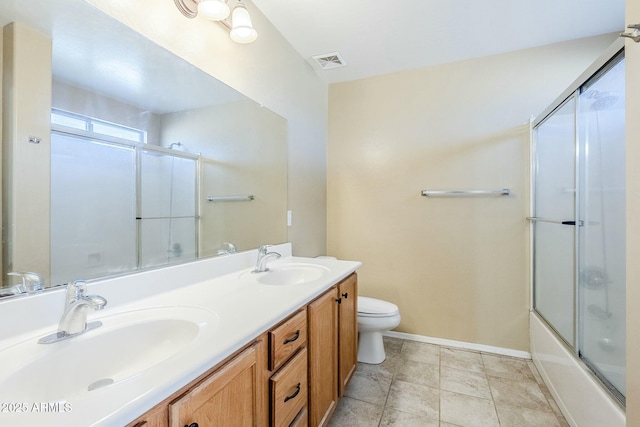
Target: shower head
(593,277)
(602,100)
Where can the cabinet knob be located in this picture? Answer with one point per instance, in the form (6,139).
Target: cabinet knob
(339,300)
(293,338)
(191,425)
(345,295)
(291,396)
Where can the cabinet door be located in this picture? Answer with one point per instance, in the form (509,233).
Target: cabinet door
(154,418)
(323,357)
(227,398)
(348,327)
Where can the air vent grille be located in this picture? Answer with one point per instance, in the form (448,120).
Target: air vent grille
(330,60)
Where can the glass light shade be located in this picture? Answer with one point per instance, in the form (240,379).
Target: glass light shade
(242,30)
(214,10)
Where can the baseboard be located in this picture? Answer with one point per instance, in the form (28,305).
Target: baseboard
(461,344)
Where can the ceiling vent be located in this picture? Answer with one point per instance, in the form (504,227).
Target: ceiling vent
(330,60)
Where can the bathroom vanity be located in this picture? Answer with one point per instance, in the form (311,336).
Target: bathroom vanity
(226,348)
(292,375)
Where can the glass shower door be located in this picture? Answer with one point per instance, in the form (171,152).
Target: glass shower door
(93,207)
(601,281)
(168,208)
(579,223)
(554,220)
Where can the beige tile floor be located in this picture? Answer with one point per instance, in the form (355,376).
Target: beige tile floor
(425,385)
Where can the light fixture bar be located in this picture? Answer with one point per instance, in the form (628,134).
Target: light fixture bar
(188,8)
(239,24)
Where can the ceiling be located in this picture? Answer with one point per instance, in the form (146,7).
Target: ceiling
(378,37)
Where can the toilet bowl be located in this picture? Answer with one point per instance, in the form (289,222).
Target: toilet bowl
(374,317)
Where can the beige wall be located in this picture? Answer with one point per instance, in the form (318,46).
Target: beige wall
(26,112)
(237,160)
(456,267)
(632,53)
(269,71)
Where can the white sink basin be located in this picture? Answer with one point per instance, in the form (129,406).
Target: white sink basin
(126,345)
(288,274)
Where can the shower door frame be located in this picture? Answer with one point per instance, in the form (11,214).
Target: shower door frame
(138,149)
(575,345)
(604,62)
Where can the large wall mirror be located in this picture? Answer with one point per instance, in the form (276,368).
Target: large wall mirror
(149,160)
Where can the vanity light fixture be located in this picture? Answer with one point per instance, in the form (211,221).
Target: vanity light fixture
(242,30)
(239,24)
(214,10)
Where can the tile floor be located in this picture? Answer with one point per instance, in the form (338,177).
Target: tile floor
(425,385)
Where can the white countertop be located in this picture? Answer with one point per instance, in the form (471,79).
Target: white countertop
(239,311)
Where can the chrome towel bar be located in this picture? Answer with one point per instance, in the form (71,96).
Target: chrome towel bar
(230,198)
(455,193)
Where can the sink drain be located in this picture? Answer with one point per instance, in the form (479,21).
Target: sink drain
(100,383)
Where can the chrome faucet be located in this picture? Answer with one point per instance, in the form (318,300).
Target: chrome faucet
(263,255)
(74,319)
(31,282)
(227,249)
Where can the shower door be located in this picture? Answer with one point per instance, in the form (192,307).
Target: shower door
(601,280)
(579,223)
(167,220)
(554,220)
(93,207)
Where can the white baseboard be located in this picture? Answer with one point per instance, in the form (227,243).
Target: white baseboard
(461,344)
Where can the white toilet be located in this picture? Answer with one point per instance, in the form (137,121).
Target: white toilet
(374,317)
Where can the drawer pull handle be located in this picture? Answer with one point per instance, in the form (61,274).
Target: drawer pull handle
(345,295)
(191,425)
(295,393)
(293,338)
(339,300)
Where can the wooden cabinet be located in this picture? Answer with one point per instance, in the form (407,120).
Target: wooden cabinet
(157,417)
(333,347)
(348,331)
(323,357)
(227,398)
(289,390)
(288,384)
(292,375)
(286,339)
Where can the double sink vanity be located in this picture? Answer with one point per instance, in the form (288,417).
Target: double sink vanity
(207,343)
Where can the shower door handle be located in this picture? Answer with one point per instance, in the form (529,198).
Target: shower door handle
(551,221)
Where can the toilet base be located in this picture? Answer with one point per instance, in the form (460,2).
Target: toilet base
(371,348)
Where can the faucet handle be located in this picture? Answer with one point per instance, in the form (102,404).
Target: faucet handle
(230,247)
(31,282)
(263,249)
(76,290)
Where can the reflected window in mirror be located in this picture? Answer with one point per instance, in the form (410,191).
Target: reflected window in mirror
(96,126)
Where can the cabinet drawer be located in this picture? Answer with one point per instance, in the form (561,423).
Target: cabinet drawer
(286,339)
(301,420)
(289,390)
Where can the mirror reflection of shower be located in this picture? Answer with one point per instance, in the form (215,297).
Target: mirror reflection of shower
(168,208)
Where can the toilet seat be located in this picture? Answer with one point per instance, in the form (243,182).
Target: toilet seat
(372,307)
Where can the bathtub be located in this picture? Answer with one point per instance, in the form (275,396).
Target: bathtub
(580,396)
